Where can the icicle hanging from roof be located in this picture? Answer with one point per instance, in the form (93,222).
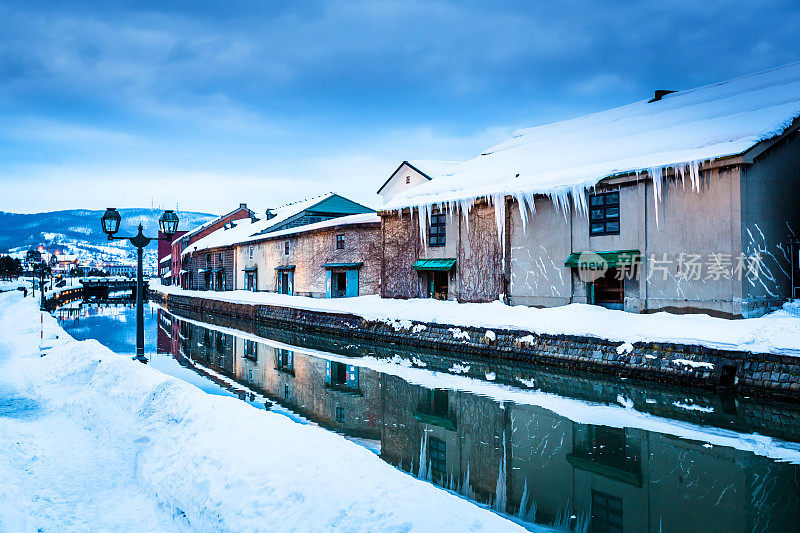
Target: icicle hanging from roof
(657,176)
(523,210)
(499,202)
(694,175)
(422,229)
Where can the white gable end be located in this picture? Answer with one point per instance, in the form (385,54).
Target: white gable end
(412,173)
(403,179)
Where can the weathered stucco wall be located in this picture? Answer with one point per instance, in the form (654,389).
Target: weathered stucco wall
(308,252)
(689,223)
(770,217)
(538,252)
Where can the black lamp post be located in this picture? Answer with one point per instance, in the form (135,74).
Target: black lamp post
(41,269)
(168,223)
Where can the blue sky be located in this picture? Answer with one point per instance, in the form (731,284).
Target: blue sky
(208,104)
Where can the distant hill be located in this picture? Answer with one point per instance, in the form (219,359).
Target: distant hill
(78,231)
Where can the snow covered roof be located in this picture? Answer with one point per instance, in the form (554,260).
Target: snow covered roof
(349,220)
(681,129)
(246,230)
(208,223)
(432,169)
(242,229)
(289,210)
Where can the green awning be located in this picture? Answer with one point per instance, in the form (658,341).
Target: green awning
(434,264)
(342,265)
(609,259)
(251,269)
(284,267)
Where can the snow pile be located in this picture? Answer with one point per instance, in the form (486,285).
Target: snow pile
(458,334)
(213,462)
(14,284)
(694,364)
(777,332)
(624,348)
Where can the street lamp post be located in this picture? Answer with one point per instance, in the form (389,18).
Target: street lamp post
(42,271)
(168,223)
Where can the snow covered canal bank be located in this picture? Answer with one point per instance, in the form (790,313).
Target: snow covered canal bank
(750,356)
(777,333)
(94,441)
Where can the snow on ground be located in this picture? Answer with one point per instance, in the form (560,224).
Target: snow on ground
(778,332)
(96,441)
(14,284)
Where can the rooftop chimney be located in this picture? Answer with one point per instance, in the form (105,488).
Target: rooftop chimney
(271,214)
(660,93)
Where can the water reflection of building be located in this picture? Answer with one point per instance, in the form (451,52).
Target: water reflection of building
(627,479)
(511,455)
(343,397)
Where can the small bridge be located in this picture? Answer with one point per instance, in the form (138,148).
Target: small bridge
(102,287)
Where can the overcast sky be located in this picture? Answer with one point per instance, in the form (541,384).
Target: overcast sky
(208,104)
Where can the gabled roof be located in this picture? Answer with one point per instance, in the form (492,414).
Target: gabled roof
(428,169)
(246,230)
(330,203)
(349,220)
(226,236)
(683,128)
(211,222)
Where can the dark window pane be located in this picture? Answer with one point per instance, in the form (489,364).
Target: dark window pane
(604,215)
(438,457)
(437,230)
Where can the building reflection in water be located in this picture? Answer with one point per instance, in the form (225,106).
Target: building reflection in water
(523,460)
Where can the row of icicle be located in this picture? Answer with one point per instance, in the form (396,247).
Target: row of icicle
(564,199)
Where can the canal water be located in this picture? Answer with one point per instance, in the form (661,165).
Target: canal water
(569,451)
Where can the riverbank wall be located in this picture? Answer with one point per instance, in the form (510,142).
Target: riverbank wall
(770,375)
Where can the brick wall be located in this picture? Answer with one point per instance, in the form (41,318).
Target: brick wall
(477,276)
(210,259)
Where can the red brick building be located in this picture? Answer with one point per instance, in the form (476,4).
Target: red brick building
(180,271)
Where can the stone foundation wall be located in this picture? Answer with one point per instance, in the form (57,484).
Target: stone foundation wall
(695,366)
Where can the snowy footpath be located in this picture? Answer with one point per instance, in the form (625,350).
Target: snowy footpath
(93,441)
(777,332)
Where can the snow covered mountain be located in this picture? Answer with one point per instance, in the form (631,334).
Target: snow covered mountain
(78,232)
